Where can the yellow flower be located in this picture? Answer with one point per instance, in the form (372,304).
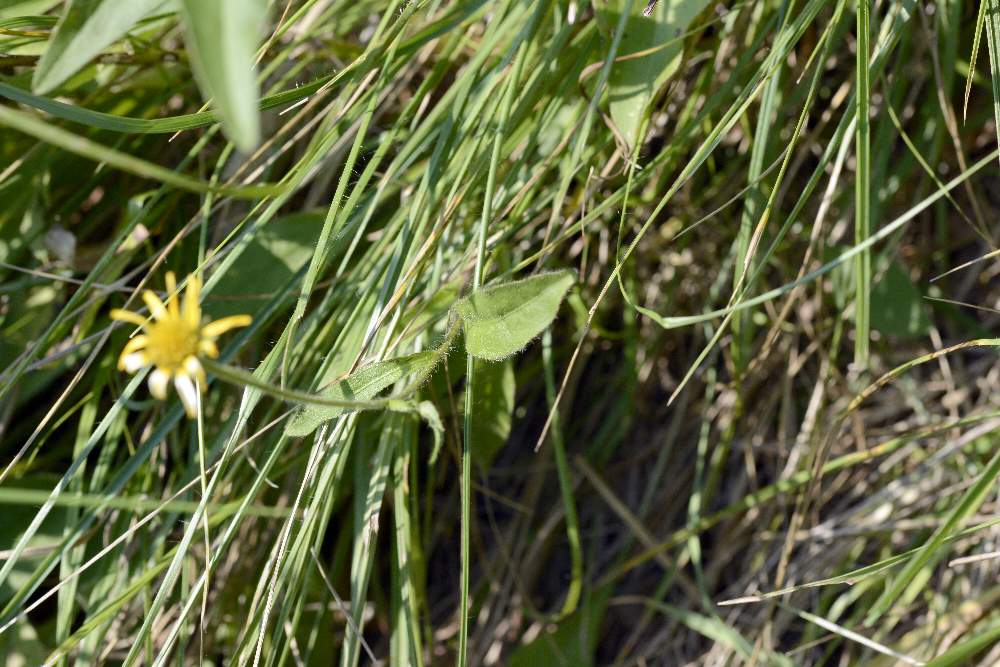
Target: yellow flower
(173,340)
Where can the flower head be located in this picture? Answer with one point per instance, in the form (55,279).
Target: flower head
(173,340)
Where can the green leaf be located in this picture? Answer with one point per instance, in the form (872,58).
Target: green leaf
(932,550)
(275,254)
(361,385)
(14,8)
(86,28)
(993,42)
(501,319)
(965,652)
(17,518)
(574,641)
(634,81)
(428,412)
(897,305)
(20,646)
(841,277)
(493,409)
(222,36)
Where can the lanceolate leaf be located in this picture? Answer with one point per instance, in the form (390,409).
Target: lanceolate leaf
(222,37)
(635,78)
(362,385)
(494,409)
(85,29)
(500,320)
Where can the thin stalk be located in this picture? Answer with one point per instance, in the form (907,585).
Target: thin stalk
(862,193)
(565,486)
(477,281)
(243,379)
(203,475)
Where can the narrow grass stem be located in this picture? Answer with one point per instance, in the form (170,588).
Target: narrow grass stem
(862,192)
(465,491)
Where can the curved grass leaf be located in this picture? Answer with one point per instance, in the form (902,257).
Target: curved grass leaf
(130,125)
(222,37)
(672,322)
(73,143)
(172,124)
(362,385)
(932,550)
(86,27)
(964,652)
(714,629)
(500,320)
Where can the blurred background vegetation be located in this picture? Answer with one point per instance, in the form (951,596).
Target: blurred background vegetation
(774,372)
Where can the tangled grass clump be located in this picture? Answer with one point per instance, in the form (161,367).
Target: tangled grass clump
(610,333)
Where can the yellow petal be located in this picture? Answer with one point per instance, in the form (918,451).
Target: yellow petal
(158,380)
(156,307)
(135,344)
(128,316)
(208,348)
(219,327)
(192,307)
(172,306)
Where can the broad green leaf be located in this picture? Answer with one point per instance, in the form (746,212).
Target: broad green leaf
(222,37)
(493,410)
(21,647)
(634,80)
(269,261)
(897,305)
(361,385)
(87,27)
(573,642)
(501,319)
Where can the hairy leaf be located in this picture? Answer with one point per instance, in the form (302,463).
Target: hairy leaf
(361,385)
(500,320)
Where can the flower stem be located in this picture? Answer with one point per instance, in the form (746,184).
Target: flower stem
(242,378)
